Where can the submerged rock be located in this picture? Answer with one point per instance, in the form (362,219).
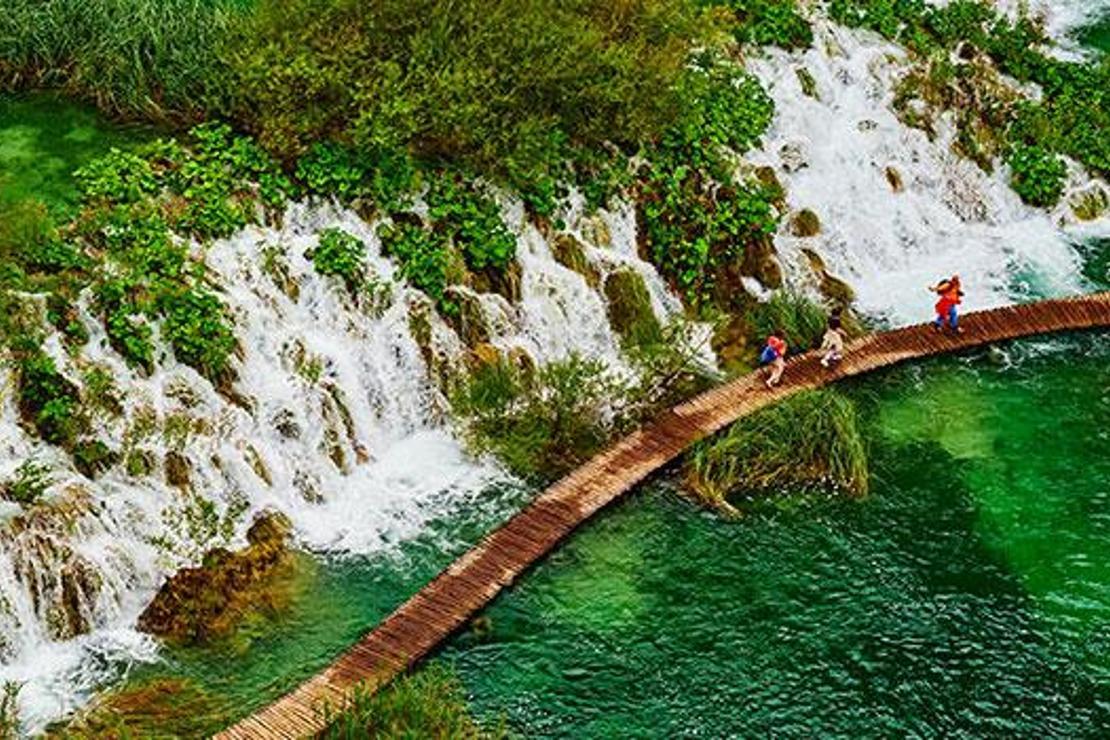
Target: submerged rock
(196,604)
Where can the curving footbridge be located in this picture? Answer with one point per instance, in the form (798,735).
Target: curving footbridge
(449,601)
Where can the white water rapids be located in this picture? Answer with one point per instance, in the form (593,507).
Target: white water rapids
(339,423)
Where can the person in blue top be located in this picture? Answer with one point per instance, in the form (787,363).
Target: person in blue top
(774,355)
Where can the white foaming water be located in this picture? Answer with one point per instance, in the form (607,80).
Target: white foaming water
(1062,17)
(335,419)
(833,153)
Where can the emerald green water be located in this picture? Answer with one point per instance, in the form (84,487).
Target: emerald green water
(43,138)
(1096,35)
(969,593)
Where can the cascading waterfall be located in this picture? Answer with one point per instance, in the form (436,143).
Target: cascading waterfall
(337,418)
(900,211)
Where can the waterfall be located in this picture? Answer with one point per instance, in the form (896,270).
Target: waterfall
(898,210)
(337,418)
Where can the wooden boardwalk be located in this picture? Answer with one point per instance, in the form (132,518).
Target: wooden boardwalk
(470,583)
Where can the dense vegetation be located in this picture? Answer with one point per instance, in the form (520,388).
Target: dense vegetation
(810,440)
(1072,118)
(428,704)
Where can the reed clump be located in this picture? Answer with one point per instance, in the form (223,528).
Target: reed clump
(810,440)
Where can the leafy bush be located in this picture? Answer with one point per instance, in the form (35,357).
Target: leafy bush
(424,257)
(1037,175)
(197,326)
(811,439)
(431,703)
(117,177)
(473,222)
(47,399)
(27,487)
(695,218)
(541,425)
(342,255)
(770,23)
(446,82)
(386,177)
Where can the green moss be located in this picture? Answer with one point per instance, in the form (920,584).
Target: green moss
(805,223)
(809,440)
(197,604)
(1037,175)
(28,484)
(93,457)
(630,311)
(571,254)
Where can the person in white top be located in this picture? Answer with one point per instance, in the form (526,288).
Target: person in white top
(832,345)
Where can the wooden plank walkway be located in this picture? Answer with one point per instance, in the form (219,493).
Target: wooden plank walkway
(470,583)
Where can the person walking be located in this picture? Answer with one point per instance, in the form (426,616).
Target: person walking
(774,355)
(951,296)
(832,344)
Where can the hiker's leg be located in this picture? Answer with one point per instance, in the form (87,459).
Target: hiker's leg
(954,318)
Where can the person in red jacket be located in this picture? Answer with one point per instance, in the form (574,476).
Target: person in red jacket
(774,354)
(950,297)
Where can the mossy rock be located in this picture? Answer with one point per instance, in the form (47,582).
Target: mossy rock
(808,83)
(894,178)
(469,322)
(197,604)
(1090,204)
(93,457)
(178,470)
(505,283)
(761,262)
(836,292)
(571,254)
(482,355)
(630,307)
(766,177)
(805,223)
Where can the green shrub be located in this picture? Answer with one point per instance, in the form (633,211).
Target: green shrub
(117,177)
(47,399)
(1037,175)
(128,333)
(811,439)
(472,220)
(770,23)
(197,325)
(430,703)
(27,487)
(93,457)
(341,255)
(539,425)
(446,82)
(386,178)
(424,258)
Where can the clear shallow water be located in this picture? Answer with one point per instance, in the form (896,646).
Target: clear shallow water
(44,138)
(970,593)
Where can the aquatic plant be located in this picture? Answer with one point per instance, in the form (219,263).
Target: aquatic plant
(430,703)
(811,439)
(769,23)
(540,425)
(1037,175)
(342,255)
(27,487)
(161,707)
(135,57)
